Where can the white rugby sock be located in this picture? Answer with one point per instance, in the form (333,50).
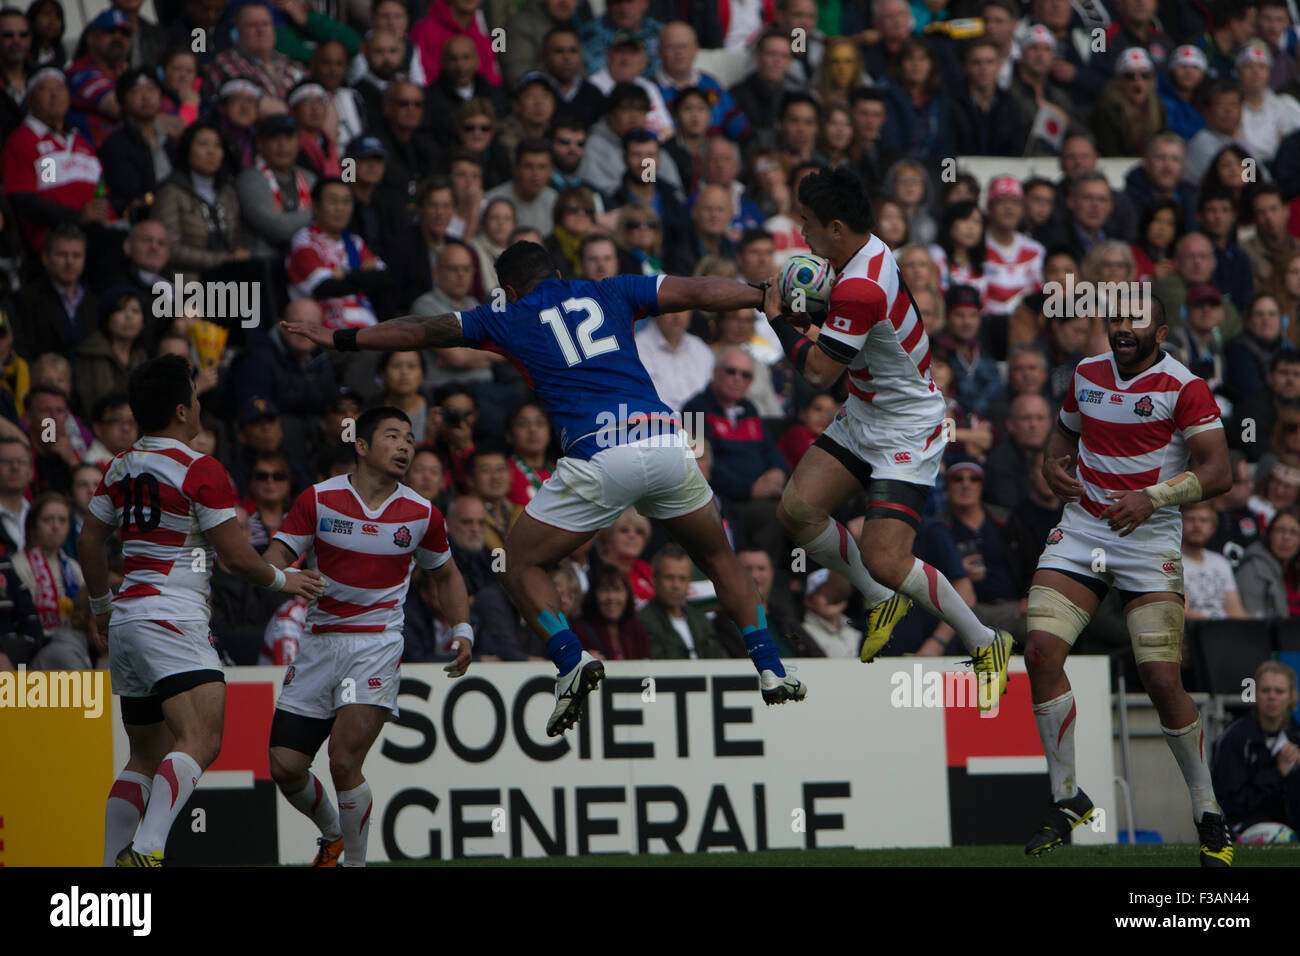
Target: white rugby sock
(834,548)
(314,802)
(126,803)
(934,592)
(1188,745)
(1055,719)
(175,780)
(354,817)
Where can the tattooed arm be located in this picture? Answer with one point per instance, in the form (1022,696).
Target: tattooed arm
(407,333)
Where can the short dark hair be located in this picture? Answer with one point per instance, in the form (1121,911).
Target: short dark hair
(669,552)
(319,189)
(522,264)
(861,93)
(1214,194)
(430,185)
(623,93)
(638,136)
(1264,189)
(691,91)
(127,81)
(463,154)
(369,420)
(61,232)
(1216,88)
(533,144)
(386,357)
(556,31)
(107,403)
(753,235)
(831,194)
(156,388)
(1034,182)
(487,449)
(1284,357)
(565,121)
(795,98)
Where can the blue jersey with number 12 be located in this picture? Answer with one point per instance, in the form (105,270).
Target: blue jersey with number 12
(574,340)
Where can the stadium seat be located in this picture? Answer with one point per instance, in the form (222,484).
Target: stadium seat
(1229,651)
(1286,634)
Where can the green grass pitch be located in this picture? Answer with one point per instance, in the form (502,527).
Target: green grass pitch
(1110,855)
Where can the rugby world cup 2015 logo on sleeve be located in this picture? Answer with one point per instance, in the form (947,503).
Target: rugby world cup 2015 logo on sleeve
(1056,536)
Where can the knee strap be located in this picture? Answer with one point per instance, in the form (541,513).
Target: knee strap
(1050,611)
(800,511)
(1156,630)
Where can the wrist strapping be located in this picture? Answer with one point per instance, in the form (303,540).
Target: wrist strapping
(345,340)
(465,631)
(796,344)
(762,288)
(277,584)
(101,605)
(1180,490)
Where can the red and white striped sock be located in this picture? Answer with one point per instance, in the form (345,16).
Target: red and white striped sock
(1055,719)
(126,803)
(934,592)
(313,801)
(175,780)
(354,816)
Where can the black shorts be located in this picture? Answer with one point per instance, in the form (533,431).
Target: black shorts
(303,734)
(148,710)
(886,497)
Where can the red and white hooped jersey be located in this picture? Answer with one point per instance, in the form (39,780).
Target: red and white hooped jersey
(365,556)
(873,326)
(1133,434)
(164,495)
(1011,272)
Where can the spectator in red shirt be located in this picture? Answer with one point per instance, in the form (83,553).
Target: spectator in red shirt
(50,171)
(814,415)
(529,432)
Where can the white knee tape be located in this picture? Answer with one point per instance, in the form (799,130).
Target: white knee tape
(1051,611)
(1157,631)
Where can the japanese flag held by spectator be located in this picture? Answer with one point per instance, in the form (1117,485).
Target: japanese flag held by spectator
(1050,125)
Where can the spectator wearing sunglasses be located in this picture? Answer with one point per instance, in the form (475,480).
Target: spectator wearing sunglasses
(270,493)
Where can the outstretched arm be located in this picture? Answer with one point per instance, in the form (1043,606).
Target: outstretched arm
(406,333)
(677,294)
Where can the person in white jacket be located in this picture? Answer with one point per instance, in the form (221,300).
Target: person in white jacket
(1266,117)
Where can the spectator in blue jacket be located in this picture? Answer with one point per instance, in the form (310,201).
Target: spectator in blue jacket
(1249,356)
(1254,764)
(1178,90)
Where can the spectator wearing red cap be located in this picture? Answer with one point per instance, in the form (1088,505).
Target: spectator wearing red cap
(1013,262)
(1198,341)
(1128,113)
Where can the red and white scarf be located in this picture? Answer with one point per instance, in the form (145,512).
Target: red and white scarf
(46,594)
(300,181)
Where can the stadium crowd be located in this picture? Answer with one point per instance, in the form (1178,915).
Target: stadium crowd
(345,161)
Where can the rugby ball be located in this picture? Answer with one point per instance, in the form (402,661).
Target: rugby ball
(805,282)
(1267,833)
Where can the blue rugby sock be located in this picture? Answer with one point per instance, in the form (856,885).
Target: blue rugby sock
(563,646)
(761,649)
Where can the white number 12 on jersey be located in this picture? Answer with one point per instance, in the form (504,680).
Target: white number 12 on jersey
(595,319)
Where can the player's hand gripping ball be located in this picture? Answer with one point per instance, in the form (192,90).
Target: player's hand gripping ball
(805,283)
